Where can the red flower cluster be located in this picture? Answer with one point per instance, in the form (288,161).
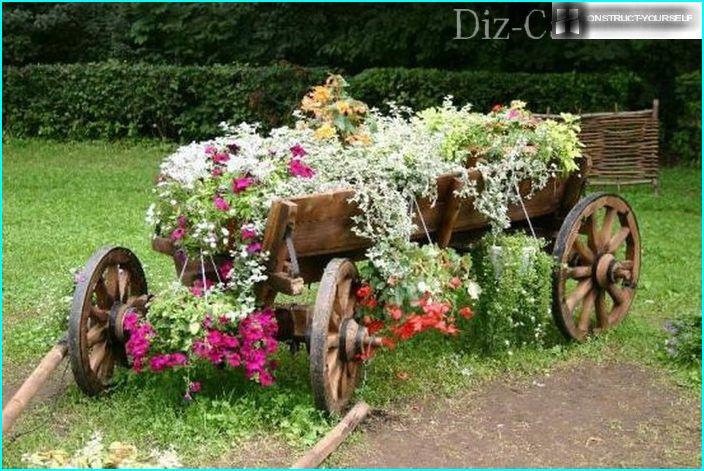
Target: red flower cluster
(365,296)
(434,317)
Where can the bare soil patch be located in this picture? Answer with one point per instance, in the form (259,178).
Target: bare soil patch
(581,415)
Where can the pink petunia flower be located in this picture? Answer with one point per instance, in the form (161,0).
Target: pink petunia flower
(182,221)
(216,172)
(221,204)
(178,233)
(298,151)
(225,268)
(298,169)
(254,247)
(241,184)
(211,150)
(221,157)
(248,233)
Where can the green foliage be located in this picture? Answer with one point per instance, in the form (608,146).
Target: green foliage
(112,100)
(686,142)
(516,300)
(558,92)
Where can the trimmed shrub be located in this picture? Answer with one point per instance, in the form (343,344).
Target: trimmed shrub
(112,100)
(558,92)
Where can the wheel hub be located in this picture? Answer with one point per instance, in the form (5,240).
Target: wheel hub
(119,310)
(605,269)
(354,339)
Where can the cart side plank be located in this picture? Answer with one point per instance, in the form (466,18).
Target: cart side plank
(324,224)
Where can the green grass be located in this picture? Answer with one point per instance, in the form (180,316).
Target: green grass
(61,201)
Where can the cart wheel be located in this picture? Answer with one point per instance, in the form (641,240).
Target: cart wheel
(598,262)
(335,338)
(111,282)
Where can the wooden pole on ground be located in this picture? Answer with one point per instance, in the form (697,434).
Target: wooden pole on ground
(333,438)
(32,384)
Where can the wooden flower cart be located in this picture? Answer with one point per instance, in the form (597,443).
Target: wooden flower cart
(595,241)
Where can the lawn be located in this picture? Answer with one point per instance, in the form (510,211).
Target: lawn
(63,200)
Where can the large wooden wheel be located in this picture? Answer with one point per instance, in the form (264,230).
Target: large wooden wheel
(111,282)
(335,338)
(598,263)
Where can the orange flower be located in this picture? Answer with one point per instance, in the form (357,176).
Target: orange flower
(320,94)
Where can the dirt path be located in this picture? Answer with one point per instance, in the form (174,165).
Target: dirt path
(584,415)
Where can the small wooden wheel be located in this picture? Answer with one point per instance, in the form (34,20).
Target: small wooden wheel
(598,263)
(111,281)
(335,338)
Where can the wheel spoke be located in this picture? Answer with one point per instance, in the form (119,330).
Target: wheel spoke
(97,355)
(103,370)
(618,239)
(587,308)
(101,315)
(619,295)
(342,297)
(333,341)
(582,289)
(124,284)
(593,234)
(585,254)
(95,334)
(101,292)
(607,224)
(602,312)
(112,282)
(578,272)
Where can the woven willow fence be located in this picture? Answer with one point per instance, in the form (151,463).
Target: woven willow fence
(622,146)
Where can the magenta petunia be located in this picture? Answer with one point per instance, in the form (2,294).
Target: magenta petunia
(254,247)
(178,233)
(298,151)
(211,150)
(220,203)
(224,269)
(216,172)
(298,169)
(221,157)
(248,233)
(182,221)
(241,184)
(159,363)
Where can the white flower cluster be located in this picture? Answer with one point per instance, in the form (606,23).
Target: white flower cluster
(406,154)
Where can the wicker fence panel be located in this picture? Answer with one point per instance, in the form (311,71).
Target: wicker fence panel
(622,146)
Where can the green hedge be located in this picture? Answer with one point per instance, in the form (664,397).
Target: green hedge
(686,142)
(559,92)
(112,100)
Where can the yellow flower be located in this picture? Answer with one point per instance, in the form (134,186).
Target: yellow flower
(359,139)
(320,94)
(325,132)
(343,107)
(307,104)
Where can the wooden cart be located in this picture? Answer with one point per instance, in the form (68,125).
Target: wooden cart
(595,242)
